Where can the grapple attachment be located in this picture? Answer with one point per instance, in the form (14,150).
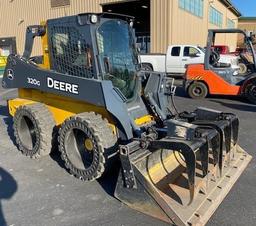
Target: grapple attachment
(182,176)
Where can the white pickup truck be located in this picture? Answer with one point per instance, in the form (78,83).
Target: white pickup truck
(178,56)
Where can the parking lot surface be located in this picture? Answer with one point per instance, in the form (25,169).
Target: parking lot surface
(41,192)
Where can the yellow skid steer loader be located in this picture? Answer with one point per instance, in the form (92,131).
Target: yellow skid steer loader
(177,167)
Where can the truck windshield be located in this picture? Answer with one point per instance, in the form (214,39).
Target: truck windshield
(118,53)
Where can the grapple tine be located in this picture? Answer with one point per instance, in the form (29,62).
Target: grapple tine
(216,150)
(204,156)
(234,121)
(227,140)
(221,153)
(221,137)
(186,149)
(190,160)
(235,126)
(215,144)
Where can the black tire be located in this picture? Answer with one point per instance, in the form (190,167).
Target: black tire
(146,67)
(250,92)
(87,163)
(33,127)
(197,90)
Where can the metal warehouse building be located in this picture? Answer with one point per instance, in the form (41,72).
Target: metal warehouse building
(248,24)
(158,22)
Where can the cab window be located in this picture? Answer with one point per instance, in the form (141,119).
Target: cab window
(175,51)
(188,51)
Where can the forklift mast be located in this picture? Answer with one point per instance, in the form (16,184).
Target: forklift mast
(212,37)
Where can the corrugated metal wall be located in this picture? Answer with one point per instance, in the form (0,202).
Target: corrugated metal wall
(169,24)
(246,25)
(160,24)
(15,15)
(172,25)
(249,25)
(227,39)
(188,28)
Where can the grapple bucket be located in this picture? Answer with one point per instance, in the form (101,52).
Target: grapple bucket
(180,179)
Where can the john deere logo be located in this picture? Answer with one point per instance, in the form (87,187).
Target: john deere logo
(10,74)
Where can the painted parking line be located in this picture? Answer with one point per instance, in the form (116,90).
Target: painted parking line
(4,96)
(7,91)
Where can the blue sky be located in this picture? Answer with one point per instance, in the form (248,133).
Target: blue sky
(246,7)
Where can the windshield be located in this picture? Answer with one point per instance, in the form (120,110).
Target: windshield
(117,52)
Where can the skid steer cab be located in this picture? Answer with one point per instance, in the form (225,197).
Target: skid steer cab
(88,93)
(215,78)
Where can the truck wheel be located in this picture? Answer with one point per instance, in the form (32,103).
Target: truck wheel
(146,67)
(197,90)
(33,127)
(242,68)
(250,92)
(86,143)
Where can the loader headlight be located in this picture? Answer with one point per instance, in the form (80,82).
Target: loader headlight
(94,19)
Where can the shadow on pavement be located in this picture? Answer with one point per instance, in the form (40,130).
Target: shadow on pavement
(180,92)
(109,180)
(241,107)
(8,121)
(8,186)
(55,156)
(4,111)
(8,94)
(55,153)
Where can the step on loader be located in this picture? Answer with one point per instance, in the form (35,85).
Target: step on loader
(88,86)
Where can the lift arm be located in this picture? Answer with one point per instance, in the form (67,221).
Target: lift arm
(32,32)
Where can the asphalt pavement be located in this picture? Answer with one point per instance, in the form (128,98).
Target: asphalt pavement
(41,192)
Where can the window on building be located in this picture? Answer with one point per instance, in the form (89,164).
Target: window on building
(188,51)
(215,17)
(230,24)
(175,51)
(59,3)
(196,7)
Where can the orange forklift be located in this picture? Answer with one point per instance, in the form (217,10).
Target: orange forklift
(215,78)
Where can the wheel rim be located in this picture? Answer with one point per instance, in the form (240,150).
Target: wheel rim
(197,91)
(27,133)
(76,141)
(242,68)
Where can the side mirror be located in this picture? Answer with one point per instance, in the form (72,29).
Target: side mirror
(137,46)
